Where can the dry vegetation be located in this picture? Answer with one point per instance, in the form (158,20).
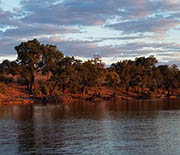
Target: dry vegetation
(42,73)
(14,94)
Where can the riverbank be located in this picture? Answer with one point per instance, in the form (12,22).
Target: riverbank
(14,94)
(17,94)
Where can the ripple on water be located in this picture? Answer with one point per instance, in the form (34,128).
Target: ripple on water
(91,128)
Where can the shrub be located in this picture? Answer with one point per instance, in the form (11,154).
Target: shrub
(37,93)
(2,89)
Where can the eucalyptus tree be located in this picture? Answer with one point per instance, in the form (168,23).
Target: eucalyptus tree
(64,74)
(29,55)
(123,69)
(145,70)
(33,57)
(50,59)
(157,82)
(92,73)
(174,81)
(113,79)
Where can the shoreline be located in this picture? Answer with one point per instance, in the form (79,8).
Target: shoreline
(74,98)
(17,94)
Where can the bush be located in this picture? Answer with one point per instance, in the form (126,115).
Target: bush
(37,93)
(2,89)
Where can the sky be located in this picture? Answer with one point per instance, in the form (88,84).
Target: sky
(113,29)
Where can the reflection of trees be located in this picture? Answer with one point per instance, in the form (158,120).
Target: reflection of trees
(2,111)
(26,136)
(54,128)
(73,111)
(48,131)
(22,113)
(141,106)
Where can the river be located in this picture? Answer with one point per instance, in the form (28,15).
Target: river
(142,127)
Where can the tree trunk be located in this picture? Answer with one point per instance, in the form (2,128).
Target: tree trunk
(127,89)
(142,87)
(52,90)
(27,84)
(82,91)
(31,83)
(168,92)
(63,88)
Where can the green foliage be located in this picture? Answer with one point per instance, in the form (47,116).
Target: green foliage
(143,73)
(32,57)
(126,70)
(28,59)
(92,72)
(66,73)
(29,54)
(51,57)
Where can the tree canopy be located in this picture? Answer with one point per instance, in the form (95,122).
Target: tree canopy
(66,73)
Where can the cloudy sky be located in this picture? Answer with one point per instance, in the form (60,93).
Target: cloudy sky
(113,29)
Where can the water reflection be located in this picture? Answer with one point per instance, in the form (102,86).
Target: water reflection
(26,137)
(129,127)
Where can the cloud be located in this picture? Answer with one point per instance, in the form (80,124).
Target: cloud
(6,19)
(114,28)
(7,46)
(66,13)
(128,50)
(84,12)
(132,16)
(87,49)
(124,37)
(146,25)
(92,12)
(170,5)
(37,30)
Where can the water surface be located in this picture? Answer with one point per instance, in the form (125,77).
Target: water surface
(128,128)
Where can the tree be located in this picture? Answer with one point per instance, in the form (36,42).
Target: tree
(28,60)
(174,78)
(113,79)
(8,67)
(5,67)
(124,71)
(144,70)
(164,70)
(51,57)
(64,75)
(158,79)
(91,73)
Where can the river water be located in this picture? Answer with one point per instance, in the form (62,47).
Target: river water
(149,127)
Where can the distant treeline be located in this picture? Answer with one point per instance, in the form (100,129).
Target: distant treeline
(65,74)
